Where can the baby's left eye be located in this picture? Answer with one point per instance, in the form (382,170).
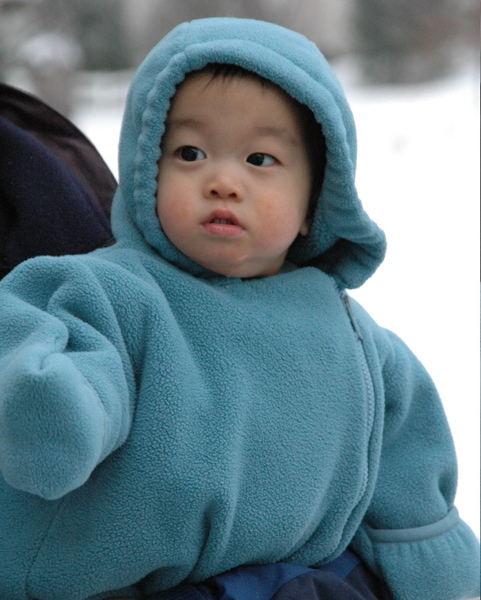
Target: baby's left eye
(260,159)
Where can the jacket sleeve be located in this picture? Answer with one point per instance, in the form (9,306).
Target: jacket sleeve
(65,379)
(412,535)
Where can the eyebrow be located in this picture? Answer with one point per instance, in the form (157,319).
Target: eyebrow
(260,130)
(188,122)
(277,132)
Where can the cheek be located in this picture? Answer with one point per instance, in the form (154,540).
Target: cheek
(280,220)
(173,208)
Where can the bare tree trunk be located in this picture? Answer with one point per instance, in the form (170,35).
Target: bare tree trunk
(405,41)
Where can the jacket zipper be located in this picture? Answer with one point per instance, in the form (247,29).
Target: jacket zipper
(368,383)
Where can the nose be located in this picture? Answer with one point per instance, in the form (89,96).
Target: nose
(223,185)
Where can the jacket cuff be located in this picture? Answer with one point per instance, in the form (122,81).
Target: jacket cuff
(436,561)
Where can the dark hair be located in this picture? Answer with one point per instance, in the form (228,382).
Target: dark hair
(311,130)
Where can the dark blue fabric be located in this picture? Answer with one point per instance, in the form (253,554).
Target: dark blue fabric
(49,210)
(359,584)
(345,578)
(259,582)
(256,582)
(341,566)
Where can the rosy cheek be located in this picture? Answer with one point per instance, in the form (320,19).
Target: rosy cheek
(172,206)
(171,217)
(267,211)
(279,228)
(273,212)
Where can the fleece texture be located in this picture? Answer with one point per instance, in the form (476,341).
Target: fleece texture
(160,423)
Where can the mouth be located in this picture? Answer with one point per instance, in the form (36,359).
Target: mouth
(223,223)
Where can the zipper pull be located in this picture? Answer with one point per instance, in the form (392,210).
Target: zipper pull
(347,303)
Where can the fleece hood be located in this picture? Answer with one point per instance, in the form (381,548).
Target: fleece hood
(343,240)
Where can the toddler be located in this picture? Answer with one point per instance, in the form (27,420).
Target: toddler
(203,394)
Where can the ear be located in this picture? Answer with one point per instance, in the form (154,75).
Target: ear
(306,225)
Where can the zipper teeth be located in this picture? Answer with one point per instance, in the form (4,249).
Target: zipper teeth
(369,386)
(370,409)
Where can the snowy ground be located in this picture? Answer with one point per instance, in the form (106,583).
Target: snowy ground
(418,176)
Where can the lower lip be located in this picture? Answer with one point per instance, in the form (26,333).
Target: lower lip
(223,229)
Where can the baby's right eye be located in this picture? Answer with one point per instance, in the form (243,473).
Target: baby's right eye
(190,153)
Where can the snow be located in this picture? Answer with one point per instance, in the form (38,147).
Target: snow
(418,176)
(50,51)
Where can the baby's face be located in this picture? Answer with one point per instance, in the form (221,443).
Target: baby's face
(234,177)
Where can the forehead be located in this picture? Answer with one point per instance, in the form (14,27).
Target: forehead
(200,98)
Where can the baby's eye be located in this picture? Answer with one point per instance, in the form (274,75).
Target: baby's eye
(190,153)
(260,159)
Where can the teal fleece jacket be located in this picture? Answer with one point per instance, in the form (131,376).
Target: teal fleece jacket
(160,423)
